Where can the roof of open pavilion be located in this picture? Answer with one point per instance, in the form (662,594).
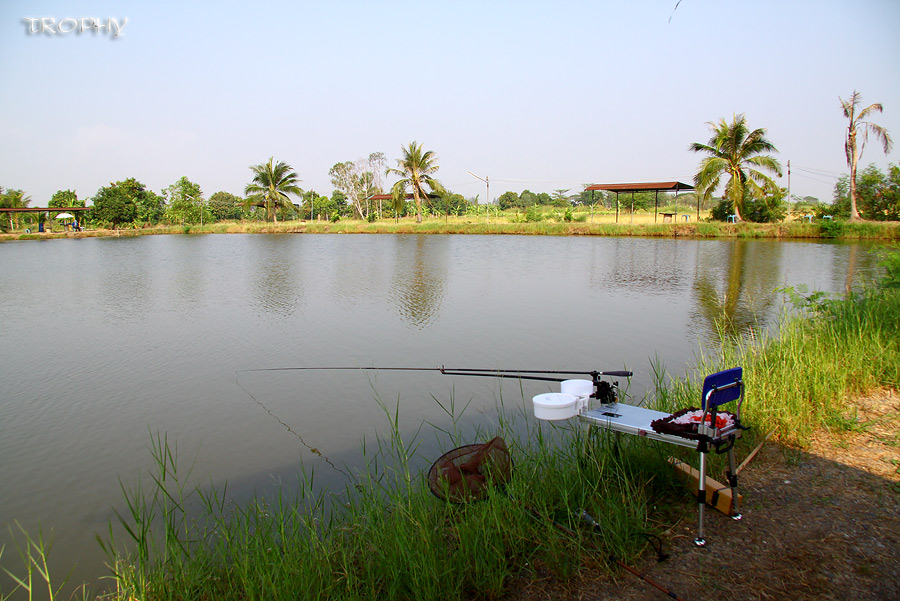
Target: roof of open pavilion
(43,209)
(641,187)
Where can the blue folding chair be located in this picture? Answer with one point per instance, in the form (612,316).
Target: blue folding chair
(718,389)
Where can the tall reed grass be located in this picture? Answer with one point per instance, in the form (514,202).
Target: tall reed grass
(387,536)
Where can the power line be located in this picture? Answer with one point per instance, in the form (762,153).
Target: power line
(819,171)
(816,179)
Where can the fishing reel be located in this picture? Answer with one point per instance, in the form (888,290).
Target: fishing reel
(605,392)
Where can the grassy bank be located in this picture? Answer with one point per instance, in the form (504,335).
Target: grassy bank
(386,536)
(602,226)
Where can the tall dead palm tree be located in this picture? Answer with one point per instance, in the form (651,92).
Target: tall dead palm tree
(270,186)
(735,153)
(415,169)
(858,123)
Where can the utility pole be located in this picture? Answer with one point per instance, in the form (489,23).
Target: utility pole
(789,187)
(487,181)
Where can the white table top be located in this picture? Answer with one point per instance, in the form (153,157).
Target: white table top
(633,420)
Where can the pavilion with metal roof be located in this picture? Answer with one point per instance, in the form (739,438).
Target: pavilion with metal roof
(43,209)
(644,187)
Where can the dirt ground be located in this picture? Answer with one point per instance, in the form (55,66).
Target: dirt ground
(819,523)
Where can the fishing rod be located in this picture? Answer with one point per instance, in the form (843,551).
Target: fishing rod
(464,371)
(602,390)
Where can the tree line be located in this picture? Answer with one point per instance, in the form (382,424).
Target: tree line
(736,159)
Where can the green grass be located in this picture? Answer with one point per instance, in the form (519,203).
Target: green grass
(389,537)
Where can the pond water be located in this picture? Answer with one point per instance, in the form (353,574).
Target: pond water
(107,341)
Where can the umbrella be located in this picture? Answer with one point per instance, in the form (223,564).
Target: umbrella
(65,216)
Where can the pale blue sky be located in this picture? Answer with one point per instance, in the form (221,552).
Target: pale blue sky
(537,95)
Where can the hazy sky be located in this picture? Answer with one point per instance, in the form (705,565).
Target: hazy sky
(537,95)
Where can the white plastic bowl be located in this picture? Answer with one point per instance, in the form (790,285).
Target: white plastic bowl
(555,405)
(577,387)
(583,389)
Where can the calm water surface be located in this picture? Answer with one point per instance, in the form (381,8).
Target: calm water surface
(105,341)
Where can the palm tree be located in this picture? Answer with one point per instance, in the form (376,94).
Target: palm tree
(735,153)
(416,169)
(858,122)
(271,184)
(13,199)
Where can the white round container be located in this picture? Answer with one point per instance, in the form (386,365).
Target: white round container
(555,405)
(577,387)
(583,389)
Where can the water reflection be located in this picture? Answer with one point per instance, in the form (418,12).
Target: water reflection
(191,271)
(735,285)
(643,266)
(127,287)
(275,274)
(360,270)
(419,278)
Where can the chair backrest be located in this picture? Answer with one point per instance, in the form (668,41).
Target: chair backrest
(722,387)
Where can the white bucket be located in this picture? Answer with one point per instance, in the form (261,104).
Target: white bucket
(555,405)
(583,389)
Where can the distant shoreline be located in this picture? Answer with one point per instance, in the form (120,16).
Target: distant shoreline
(839,230)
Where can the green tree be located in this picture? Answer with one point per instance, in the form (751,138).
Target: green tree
(859,124)
(185,202)
(223,205)
(508,200)
(65,198)
(270,186)
(449,203)
(340,202)
(149,207)
(735,153)
(416,169)
(877,194)
(529,199)
(113,204)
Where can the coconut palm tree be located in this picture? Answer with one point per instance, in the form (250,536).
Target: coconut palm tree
(415,170)
(735,153)
(858,123)
(270,186)
(13,199)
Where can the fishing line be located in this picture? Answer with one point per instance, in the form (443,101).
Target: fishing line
(311,448)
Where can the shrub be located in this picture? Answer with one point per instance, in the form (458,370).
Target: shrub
(831,228)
